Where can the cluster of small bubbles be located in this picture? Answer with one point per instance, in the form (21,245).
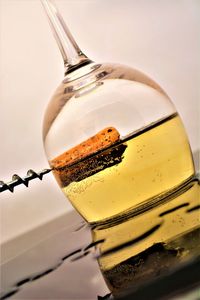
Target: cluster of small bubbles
(74,188)
(140,149)
(158,176)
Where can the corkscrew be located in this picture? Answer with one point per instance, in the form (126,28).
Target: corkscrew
(17,180)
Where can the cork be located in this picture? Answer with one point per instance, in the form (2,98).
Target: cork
(103,139)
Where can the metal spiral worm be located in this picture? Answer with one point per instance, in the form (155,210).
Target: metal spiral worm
(17,180)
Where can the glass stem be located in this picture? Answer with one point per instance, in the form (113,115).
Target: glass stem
(72,55)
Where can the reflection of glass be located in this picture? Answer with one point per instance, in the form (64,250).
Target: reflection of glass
(111,134)
(148,245)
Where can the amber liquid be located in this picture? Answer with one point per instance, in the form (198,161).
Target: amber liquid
(148,164)
(147,245)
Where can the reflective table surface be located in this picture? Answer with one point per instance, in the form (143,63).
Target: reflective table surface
(151,253)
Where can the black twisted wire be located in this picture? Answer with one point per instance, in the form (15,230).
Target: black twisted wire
(17,180)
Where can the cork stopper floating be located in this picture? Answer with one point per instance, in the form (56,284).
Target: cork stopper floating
(103,139)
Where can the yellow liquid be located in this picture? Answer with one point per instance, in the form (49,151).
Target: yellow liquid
(172,217)
(149,244)
(150,163)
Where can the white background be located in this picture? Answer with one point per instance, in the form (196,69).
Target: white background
(158,37)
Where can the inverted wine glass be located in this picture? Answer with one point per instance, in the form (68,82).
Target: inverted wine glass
(112,136)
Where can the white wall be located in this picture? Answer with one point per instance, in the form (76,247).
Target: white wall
(159,37)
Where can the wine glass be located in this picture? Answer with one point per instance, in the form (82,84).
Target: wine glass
(112,136)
